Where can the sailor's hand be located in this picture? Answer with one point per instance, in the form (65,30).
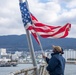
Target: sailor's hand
(43,55)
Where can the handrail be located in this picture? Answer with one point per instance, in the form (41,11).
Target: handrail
(42,71)
(25,71)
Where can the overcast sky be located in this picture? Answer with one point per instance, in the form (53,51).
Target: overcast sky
(52,12)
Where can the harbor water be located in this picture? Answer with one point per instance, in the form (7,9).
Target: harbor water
(70,69)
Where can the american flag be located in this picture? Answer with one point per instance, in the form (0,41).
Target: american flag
(36,27)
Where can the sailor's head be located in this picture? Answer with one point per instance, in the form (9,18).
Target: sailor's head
(57,49)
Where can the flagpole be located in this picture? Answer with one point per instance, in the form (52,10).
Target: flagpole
(31,47)
(40,45)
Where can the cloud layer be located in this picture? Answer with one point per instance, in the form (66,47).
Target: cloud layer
(52,12)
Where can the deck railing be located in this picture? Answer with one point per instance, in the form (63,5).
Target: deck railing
(31,71)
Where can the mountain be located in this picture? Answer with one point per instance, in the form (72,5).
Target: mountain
(20,42)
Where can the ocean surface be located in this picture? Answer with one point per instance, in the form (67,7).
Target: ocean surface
(70,69)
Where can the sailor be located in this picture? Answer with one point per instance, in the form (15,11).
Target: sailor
(56,64)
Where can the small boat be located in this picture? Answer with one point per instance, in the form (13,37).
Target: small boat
(8,64)
(14,63)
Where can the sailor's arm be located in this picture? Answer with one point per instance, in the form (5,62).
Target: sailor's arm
(46,58)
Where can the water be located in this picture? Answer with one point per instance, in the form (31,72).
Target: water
(7,70)
(70,69)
